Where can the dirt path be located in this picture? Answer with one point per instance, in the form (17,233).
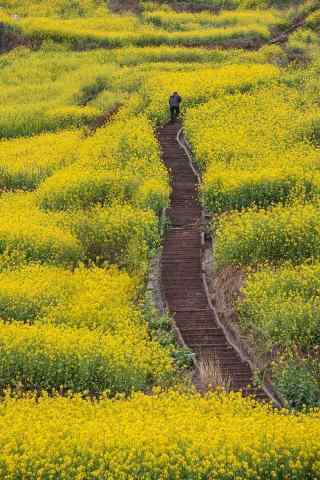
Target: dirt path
(181,271)
(124,6)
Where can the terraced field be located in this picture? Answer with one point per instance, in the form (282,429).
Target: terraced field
(159,282)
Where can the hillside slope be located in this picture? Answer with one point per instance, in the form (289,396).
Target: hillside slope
(149,273)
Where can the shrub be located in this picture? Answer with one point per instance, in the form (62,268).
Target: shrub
(297,384)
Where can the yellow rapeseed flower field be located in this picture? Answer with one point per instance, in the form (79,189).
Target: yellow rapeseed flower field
(46,357)
(86,363)
(172,20)
(25,163)
(95,298)
(242,173)
(103,30)
(214,82)
(281,306)
(153,437)
(281,233)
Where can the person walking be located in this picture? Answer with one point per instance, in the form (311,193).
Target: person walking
(174,104)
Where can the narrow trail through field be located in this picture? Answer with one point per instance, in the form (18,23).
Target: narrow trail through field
(181,271)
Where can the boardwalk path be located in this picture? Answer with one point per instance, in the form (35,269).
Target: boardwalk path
(181,269)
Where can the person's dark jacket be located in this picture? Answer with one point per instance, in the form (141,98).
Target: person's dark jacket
(175,100)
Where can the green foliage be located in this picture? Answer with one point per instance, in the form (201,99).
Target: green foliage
(298,386)
(313,21)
